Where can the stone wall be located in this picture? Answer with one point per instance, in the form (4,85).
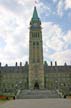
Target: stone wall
(58,77)
(13,78)
(16,77)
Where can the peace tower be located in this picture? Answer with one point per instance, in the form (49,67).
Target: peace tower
(36,69)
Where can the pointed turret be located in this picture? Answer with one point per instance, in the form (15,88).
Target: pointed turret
(35,17)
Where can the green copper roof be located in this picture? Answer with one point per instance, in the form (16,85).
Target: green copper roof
(35,15)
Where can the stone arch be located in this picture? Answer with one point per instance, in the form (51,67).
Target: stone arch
(36,85)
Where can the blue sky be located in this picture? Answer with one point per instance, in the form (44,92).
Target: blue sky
(15,16)
(62,17)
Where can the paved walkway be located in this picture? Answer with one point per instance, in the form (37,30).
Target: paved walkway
(38,103)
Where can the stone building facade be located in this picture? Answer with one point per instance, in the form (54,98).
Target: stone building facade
(36,74)
(16,77)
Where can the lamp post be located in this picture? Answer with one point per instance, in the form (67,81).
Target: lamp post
(56,84)
(15,89)
(20,83)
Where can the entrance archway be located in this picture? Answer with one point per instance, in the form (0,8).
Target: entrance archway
(36,85)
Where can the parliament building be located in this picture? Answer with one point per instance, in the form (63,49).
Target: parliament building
(36,74)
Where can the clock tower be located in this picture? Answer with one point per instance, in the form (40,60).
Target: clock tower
(36,68)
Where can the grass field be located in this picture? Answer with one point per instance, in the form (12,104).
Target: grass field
(3,101)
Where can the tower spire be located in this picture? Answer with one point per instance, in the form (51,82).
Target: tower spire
(35,17)
(35,14)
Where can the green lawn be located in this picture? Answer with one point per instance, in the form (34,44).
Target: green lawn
(3,101)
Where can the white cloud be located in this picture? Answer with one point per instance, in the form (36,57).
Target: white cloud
(67,4)
(54,1)
(54,37)
(43,9)
(60,7)
(54,40)
(14,33)
(14,29)
(62,57)
(25,2)
(67,37)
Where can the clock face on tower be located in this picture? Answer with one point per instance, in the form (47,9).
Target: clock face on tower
(35,25)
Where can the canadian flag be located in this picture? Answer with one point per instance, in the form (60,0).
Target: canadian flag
(36,2)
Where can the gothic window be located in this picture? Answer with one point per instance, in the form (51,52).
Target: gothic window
(32,34)
(37,43)
(35,35)
(33,43)
(38,35)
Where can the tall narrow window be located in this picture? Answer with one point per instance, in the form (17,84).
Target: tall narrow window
(37,44)
(38,35)
(33,43)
